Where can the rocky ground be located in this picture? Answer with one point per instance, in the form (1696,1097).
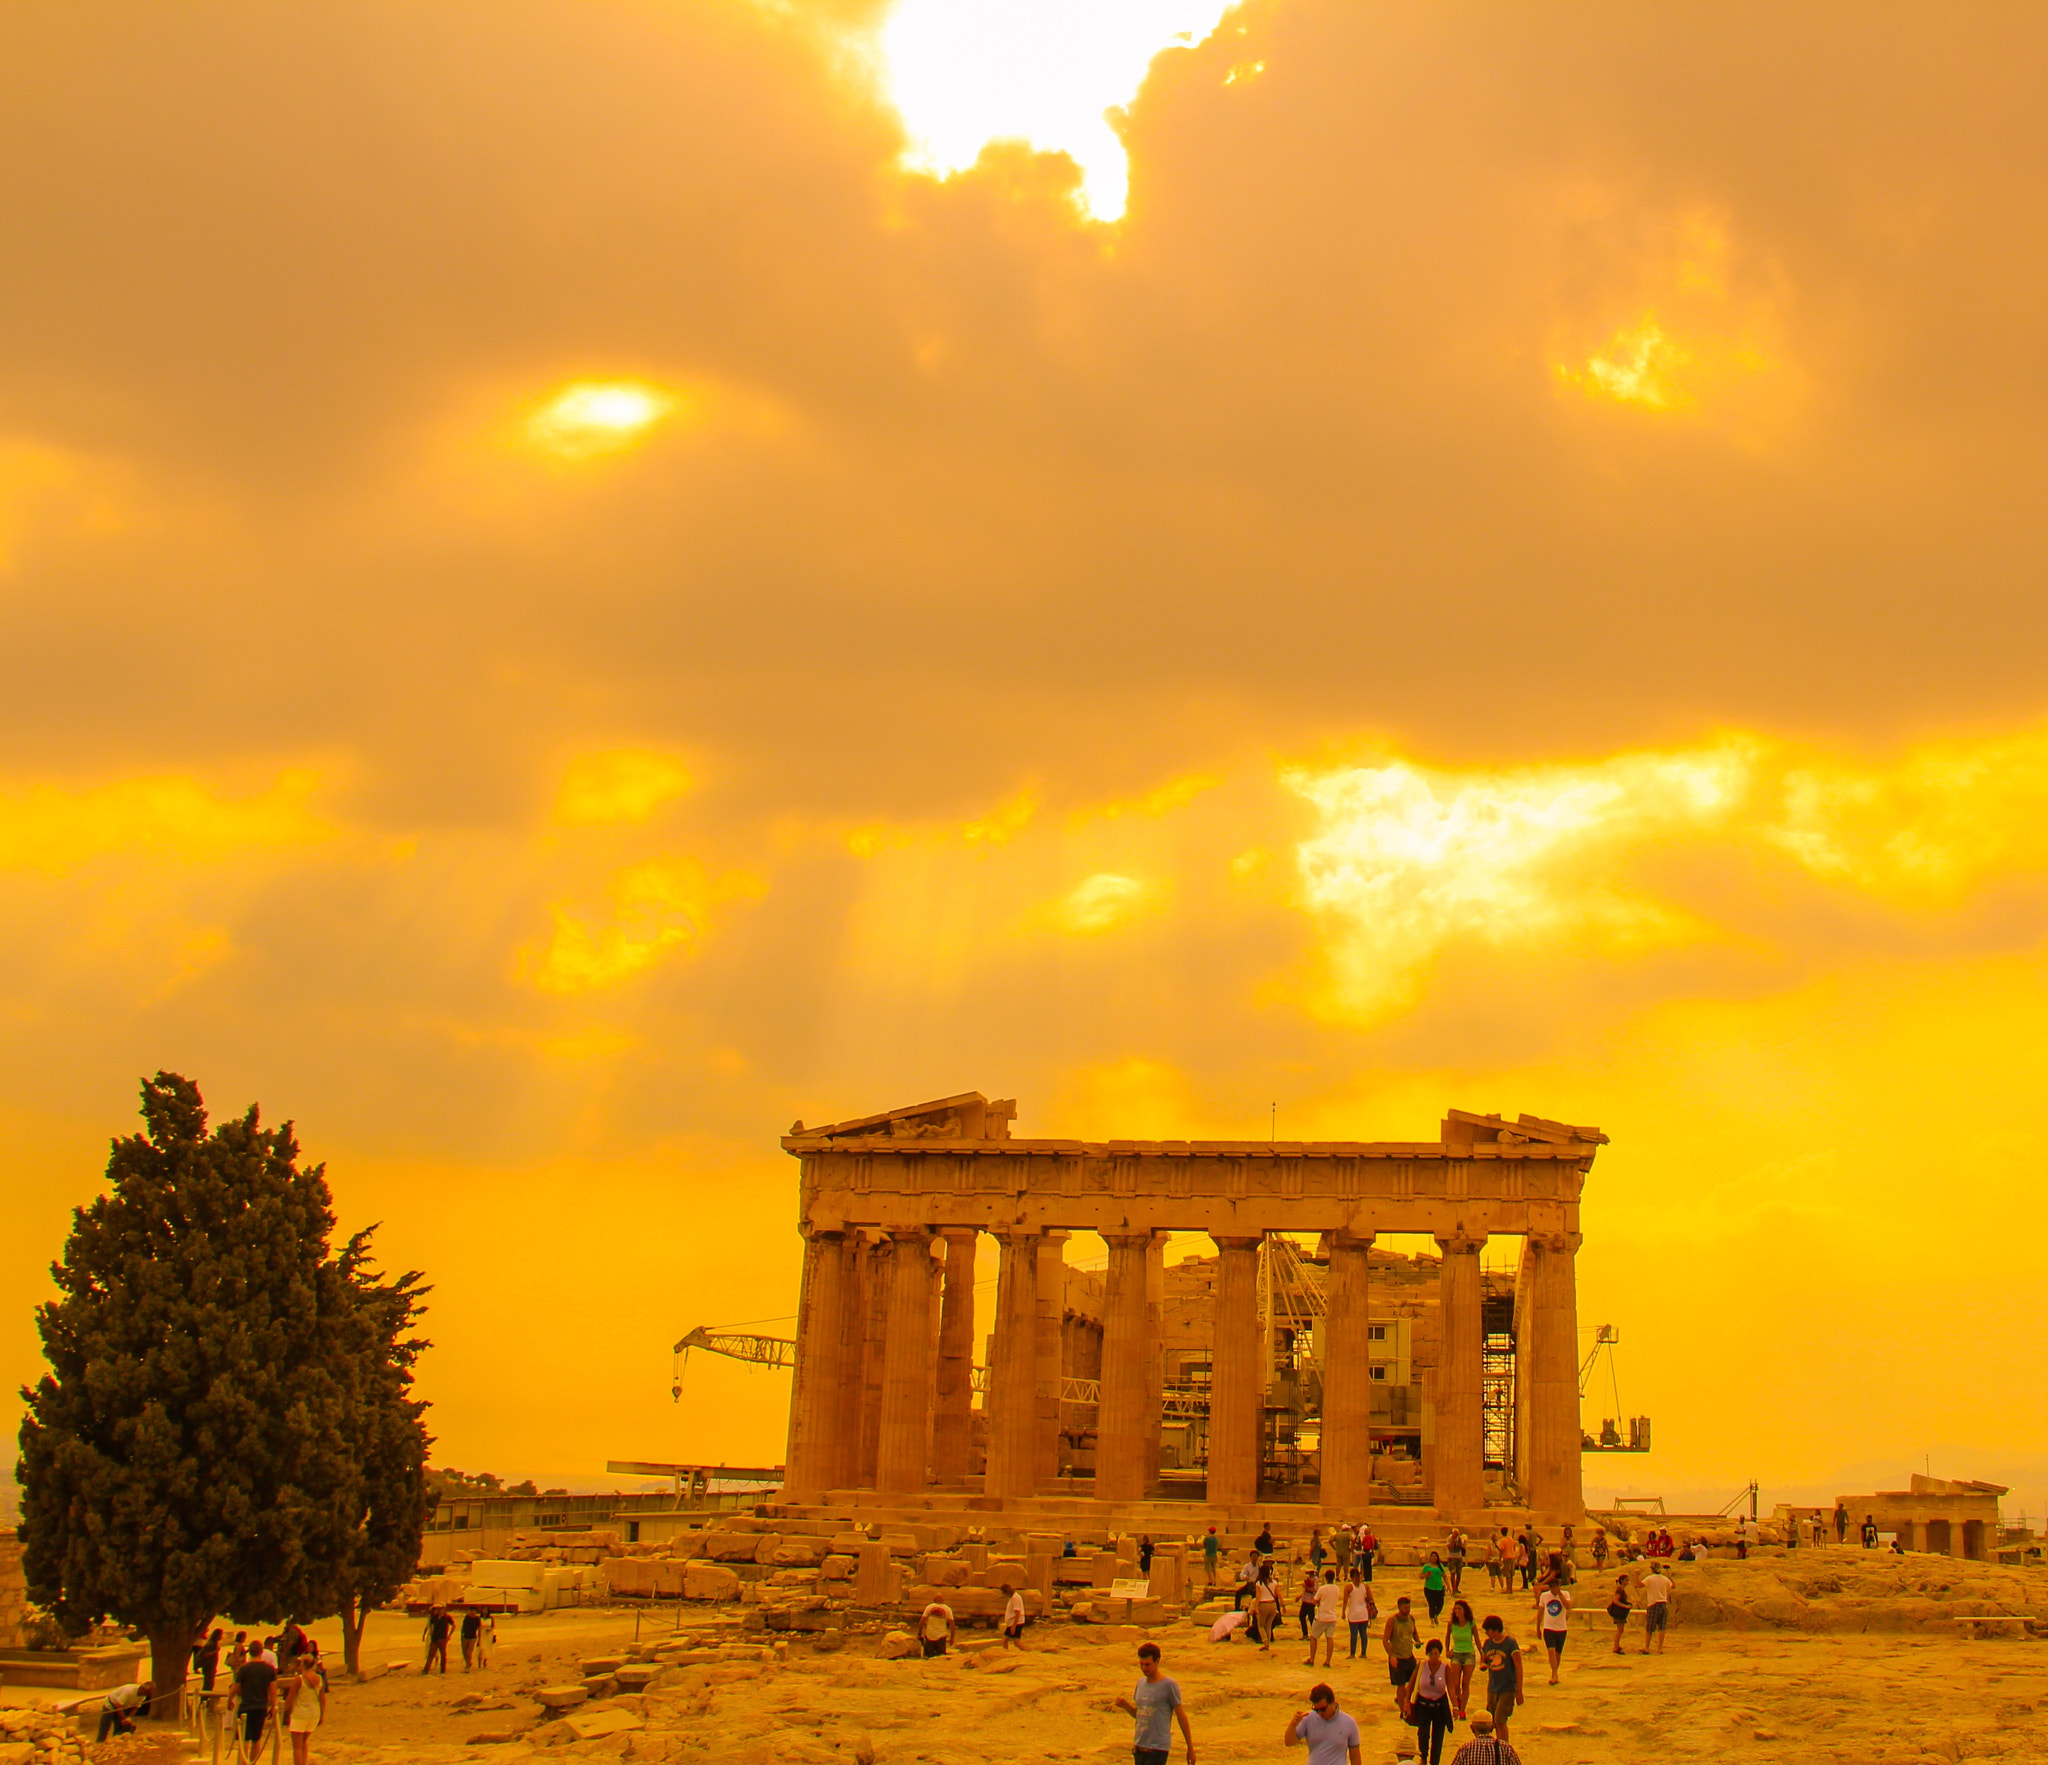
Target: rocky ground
(1822,1656)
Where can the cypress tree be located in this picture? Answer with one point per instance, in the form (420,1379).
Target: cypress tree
(388,1500)
(197,1446)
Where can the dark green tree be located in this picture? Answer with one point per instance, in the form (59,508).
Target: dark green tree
(389,1499)
(197,1446)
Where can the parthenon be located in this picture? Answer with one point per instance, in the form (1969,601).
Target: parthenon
(893,1207)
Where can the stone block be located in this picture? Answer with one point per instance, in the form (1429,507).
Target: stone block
(629,1577)
(871,1576)
(766,1544)
(597,1665)
(731,1547)
(838,1567)
(1038,1574)
(596,1724)
(944,1571)
(557,1698)
(898,1645)
(709,1581)
(796,1553)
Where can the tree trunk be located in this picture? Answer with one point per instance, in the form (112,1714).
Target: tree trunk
(170,1659)
(353,1617)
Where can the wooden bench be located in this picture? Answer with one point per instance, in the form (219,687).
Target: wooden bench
(1985,1624)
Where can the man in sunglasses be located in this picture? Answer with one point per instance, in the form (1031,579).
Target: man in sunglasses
(1330,1736)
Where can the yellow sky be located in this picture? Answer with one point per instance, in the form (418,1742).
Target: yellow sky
(584,580)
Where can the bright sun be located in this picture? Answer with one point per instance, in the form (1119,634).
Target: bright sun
(964,73)
(597,416)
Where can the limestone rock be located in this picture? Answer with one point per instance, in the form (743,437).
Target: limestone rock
(709,1581)
(795,1553)
(898,1645)
(731,1547)
(595,1724)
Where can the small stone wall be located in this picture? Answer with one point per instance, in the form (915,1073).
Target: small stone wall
(13,1594)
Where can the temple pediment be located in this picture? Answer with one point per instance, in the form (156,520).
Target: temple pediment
(969,1116)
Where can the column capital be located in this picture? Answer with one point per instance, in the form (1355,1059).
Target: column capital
(1237,1241)
(1345,1240)
(951,1233)
(820,1234)
(1460,1242)
(1557,1241)
(1131,1240)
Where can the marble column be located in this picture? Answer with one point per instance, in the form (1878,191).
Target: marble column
(1013,1374)
(849,1393)
(900,1457)
(952,1423)
(1155,1356)
(1552,1486)
(1237,1388)
(1052,1303)
(874,1354)
(1347,1378)
(812,1460)
(1460,1455)
(1122,1424)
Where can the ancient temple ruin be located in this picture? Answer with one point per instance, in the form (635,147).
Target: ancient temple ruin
(1295,1364)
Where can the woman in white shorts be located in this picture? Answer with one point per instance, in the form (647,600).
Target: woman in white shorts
(308,1706)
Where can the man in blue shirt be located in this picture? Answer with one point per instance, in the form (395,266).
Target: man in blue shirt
(1330,1736)
(1156,1705)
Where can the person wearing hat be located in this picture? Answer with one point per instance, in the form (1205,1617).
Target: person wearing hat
(1485,1747)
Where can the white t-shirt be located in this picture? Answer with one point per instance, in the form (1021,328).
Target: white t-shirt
(1656,1589)
(1328,1742)
(1357,1604)
(1013,1613)
(938,1617)
(1555,1608)
(1329,1603)
(125,1697)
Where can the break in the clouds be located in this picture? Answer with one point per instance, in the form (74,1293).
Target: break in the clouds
(584,581)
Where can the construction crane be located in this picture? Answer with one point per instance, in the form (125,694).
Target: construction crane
(1610,1437)
(739,1345)
(780,1351)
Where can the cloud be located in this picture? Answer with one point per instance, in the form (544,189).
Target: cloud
(1508,575)
(619,785)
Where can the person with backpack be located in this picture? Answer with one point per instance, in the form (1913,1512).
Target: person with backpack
(1485,1747)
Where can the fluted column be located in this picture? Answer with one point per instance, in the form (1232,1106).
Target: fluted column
(900,1461)
(1121,1426)
(1013,1375)
(1052,1302)
(1236,1387)
(1347,1376)
(812,1460)
(952,1424)
(848,1394)
(874,1356)
(1553,1487)
(1460,1423)
(1155,1355)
